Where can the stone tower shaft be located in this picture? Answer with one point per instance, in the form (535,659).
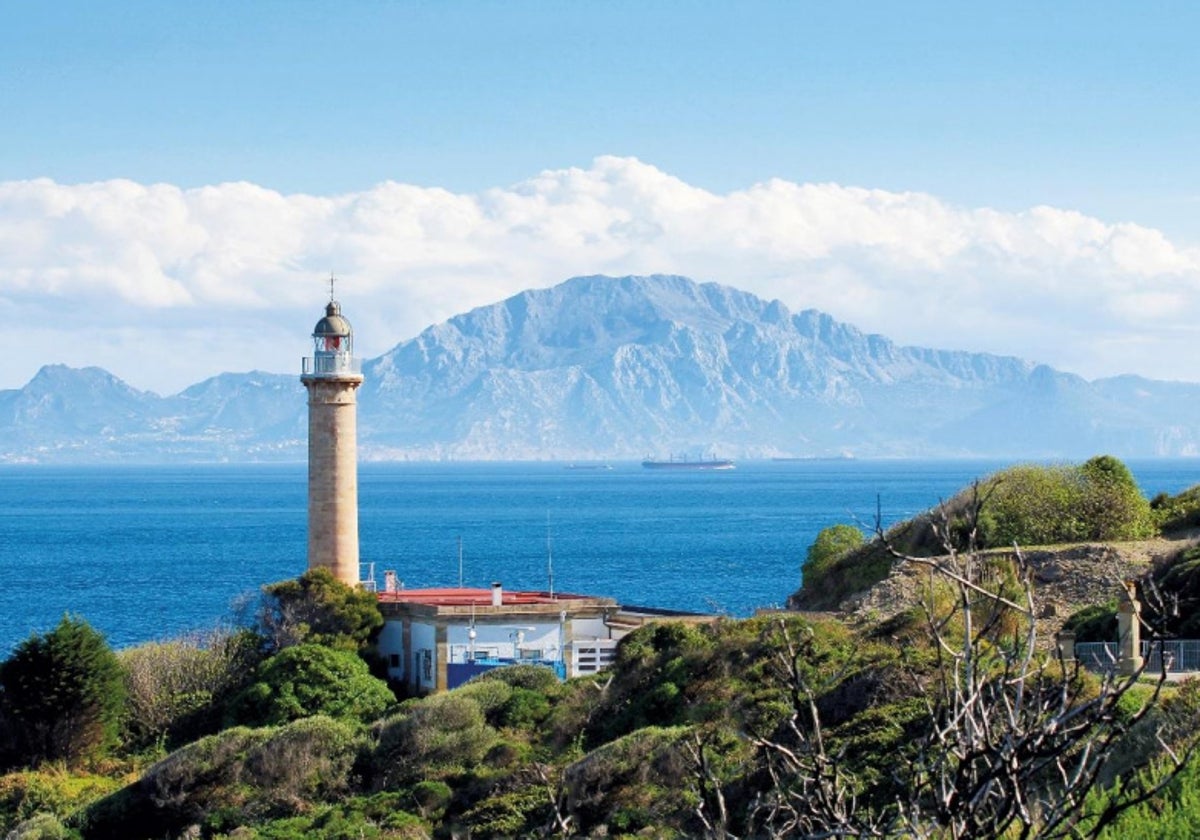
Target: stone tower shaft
(332,377)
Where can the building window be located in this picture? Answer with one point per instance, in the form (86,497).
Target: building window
(394,660)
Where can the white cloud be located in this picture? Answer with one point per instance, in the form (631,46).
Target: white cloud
(164,286)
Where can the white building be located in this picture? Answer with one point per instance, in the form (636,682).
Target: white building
(437,639)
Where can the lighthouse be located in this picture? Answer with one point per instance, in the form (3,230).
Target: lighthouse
(332,376)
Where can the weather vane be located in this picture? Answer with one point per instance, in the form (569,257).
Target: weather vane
(331,280)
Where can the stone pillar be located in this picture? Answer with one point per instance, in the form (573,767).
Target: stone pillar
(441,673)
(1066,645)
(333,475)
(1129,631)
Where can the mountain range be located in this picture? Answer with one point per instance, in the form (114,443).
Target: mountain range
(612,368)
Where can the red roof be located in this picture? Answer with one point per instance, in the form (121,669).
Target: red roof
(456,597)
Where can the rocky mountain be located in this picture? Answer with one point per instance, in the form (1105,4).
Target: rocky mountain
(610,368)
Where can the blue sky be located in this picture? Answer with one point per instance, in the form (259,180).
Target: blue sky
(1088,108)
(1092,105)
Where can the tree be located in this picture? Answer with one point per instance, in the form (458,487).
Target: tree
(63,694)
(317,608)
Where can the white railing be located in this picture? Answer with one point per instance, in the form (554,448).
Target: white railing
(331,364)
(1180,655)
(459,653)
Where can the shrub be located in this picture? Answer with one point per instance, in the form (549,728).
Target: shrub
(489,693)
(226,780)
(432,798)
(1174,513)
(42,827)
(305,760)
(1095,623)
(1172,815)
(1113,505)
(640,780)
(63,694)
(831,544)
(1181,578)
(533,677)
(525,709)
(511,813)
(176,689)
(1031,505)
(436,737)
(48,791)
(1044,505)
(312,680)
(838,564)
(179,791)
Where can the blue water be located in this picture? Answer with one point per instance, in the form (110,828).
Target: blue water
(151,552)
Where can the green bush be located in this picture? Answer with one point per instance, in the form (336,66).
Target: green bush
(1035,504)
(337,821)
(1174,513)
(48,791)
(1095,623)
(42,827)
(534,677)
(640,780)
(525,709)
(1113,505)
(180,790)
(835,577)
(1172,815)
(831,544)
(311,679)
(63,695)
(489,693)
(1181,578)
(229,779)
(432,798)
(654,664)
(510,813)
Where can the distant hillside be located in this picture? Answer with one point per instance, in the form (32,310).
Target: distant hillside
(611,368)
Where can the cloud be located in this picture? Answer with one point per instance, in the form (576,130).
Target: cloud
(165,286)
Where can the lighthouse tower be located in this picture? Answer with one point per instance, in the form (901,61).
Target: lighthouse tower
(332,376)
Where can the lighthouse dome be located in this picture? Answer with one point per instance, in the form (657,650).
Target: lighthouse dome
(333,324)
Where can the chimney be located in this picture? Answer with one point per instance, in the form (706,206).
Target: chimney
(497,594)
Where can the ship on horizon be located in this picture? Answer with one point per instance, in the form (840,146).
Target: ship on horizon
(683,462)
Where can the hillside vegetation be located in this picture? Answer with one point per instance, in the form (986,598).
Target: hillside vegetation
(947,718)
(1026,506)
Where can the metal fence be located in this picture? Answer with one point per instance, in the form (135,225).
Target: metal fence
(1180,655)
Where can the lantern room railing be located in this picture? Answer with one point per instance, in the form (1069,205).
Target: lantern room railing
(331,364)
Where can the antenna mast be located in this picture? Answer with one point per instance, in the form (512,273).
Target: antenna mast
(549,556)
(460,565)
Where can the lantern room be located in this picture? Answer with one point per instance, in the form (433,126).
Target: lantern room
(332,333)
(333,344)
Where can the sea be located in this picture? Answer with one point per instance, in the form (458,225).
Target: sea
(148,553)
